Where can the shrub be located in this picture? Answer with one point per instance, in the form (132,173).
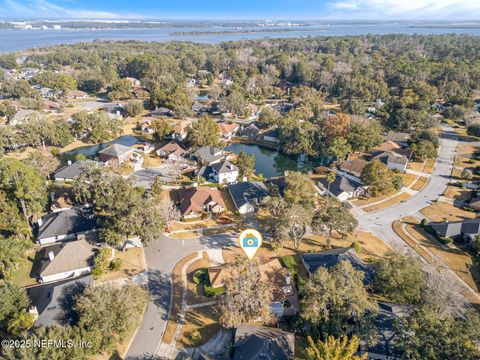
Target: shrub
(467,174)
(290,263)
(200,276)
(115,264)
(210,291)
(356,246)
(195,336)
(397,182)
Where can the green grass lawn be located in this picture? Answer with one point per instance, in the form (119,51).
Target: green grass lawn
(21,276)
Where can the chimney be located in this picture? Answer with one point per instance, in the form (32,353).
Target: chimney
(40,222)
(69,162)
(287,279)
(51,255)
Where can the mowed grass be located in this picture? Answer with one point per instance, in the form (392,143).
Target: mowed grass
(420,183)
(387,203)
(203,320)
(441,211)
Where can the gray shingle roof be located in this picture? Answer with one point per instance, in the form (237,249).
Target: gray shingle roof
(69,172)
(247,192)
(391,157)
(209,154)
(54,300)
(73,221)
(259,342)
(457,228)
(115,150)
(340,185)
(330,258)
(224,167)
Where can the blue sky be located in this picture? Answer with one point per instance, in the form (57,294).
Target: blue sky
(242,9)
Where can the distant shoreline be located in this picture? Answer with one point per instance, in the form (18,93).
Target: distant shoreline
(226,32)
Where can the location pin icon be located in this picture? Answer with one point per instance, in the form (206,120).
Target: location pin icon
(250,241)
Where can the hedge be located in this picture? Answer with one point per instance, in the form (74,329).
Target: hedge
(210,291)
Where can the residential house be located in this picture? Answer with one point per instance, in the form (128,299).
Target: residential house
(66,225)
(146,127)
(47,93)
(250,132)
(223,172)
(387,145)
(21,116)
(199,108)
(263,343)
(161,112)
(330,258)
(247,194)
(271,270)
(51,302)
(228,131)
(77,94)
(115,111)
(173,151)
(353,167)
(63,261)
(191,83)
(195,202)
(400,138)
(180,130)
(51,106)
(466,230)
(393,160)
(116,154)
(272,136)
(277,185)
(135,82)
(343,188)
(216,109)
(208,155)
(72,170)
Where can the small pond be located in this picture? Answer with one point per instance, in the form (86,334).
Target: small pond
(272,163)
(92,150)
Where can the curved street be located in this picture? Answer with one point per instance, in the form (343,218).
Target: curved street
(162,255)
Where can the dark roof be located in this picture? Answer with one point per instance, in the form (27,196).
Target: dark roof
(73,170)
(259,342)
(247,192)
(340,185)
(330,258)
(224,167)
(272,133)
(161,111)
(209,154)
(53,301)
(391,157)
(279,182)
(456,228)
(73,221)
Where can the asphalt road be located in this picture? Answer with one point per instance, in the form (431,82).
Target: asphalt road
(161,257)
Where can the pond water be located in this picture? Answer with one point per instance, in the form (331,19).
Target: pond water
(92,150)
(272,163)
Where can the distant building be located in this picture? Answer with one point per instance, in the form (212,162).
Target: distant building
(247,194)
(263,343)
(250,132)
(21,117)
(161,112)
(465,230)
(77,94)
(228,130)
(342,188)
(400,138)
(116,154)
(66,225)
(135,82)
(173,151)
(272,136)
(181,130)
(63,261)
(354,167)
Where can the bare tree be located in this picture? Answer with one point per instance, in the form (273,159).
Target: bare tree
(168,210)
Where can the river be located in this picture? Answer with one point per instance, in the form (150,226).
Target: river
(12,40)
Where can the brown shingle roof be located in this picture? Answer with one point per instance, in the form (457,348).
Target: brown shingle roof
(173,148)
(194,199)
(226,128)
(354,167)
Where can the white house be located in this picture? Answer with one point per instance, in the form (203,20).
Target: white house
(342,188)
(393,160)
(65,260)
(223,172)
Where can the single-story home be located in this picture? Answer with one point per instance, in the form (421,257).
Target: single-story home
(342,188)
(50,302)
(272,136)
(73,170)
(466,229)
(272,271)
(194,202)
(199,108)
(161,112)
(223,172)
(393,160)
(21,116)
(116,154)
(400,138)
(173,151)
(247,194)
(250,132)
(135,82)
(63,261)
(330,258)
(77,94)
(209,155)
(353,167)
(66,225)
(387,145)
(228,130)
(263,343)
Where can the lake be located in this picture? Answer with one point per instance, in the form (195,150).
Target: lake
(12,40)
(92,150)
(271,163)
